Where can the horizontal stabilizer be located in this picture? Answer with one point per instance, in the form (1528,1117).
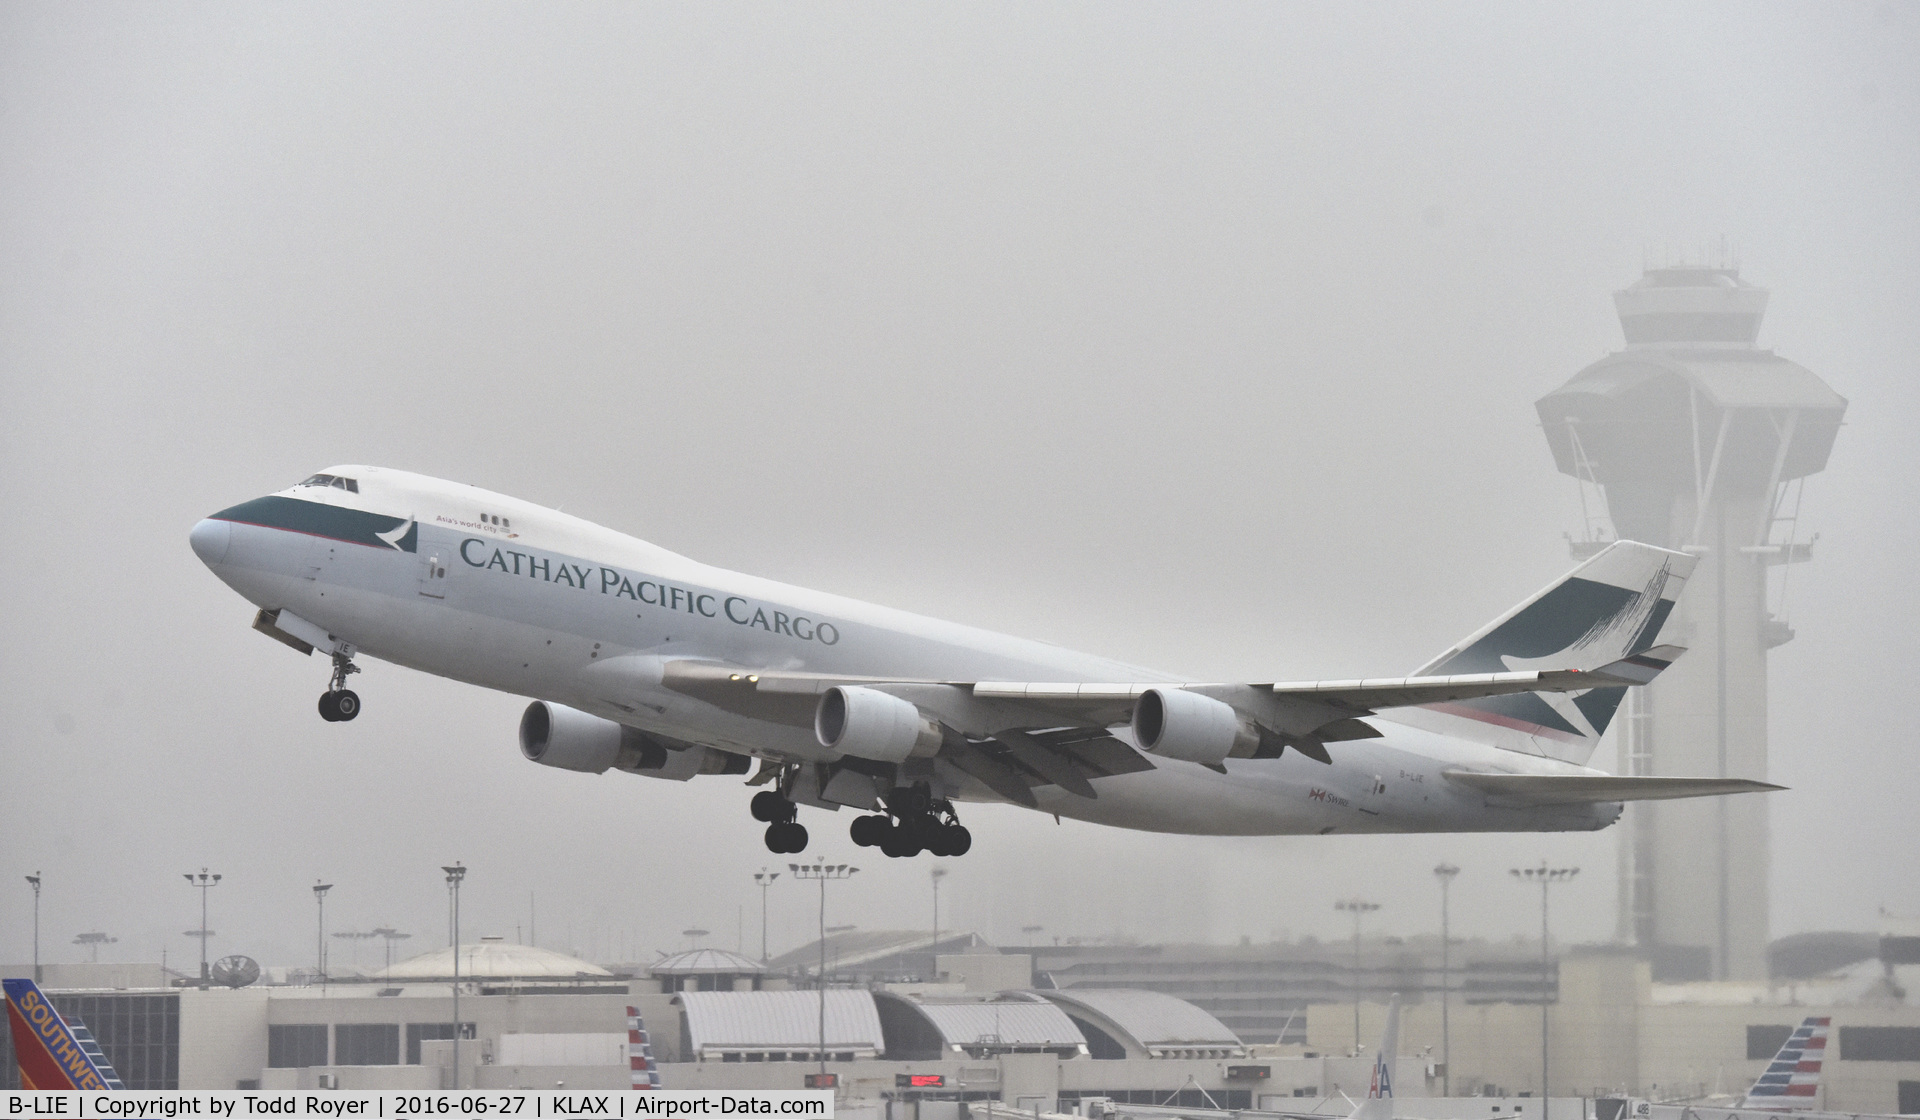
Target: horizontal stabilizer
(1573,789)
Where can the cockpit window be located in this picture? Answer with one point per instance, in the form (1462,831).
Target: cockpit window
(333,480)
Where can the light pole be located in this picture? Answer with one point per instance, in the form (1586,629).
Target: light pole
(391,935)
(823,871)
(1358,908)
(936,874)
(33,881)
(1445,873)
(206,883)
(355,937)
(454,874)
(765,878)
(93,941)
(1546,877)
(320,935)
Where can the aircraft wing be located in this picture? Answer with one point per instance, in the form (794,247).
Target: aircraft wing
(1112,703)
(1573,789)
(1304,715)
(1403,692)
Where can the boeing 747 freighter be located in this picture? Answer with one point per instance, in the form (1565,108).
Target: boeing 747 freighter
(640,660)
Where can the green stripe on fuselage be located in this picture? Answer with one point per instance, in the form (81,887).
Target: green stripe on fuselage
(317,519)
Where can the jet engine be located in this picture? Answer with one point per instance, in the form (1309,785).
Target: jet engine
(868,723)
(1176,723)
(556,735)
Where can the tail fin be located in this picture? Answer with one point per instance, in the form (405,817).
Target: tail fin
(54,1053)
(1792,1080)
(1379,1102)
(645,1074)
(1607,610)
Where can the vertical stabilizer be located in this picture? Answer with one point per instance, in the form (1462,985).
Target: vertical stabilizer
(1609,609)
(1379,1102)
(645,1074)
(54,1054)
(1792,1080)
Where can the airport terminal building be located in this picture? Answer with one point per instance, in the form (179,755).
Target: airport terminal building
(989,1026)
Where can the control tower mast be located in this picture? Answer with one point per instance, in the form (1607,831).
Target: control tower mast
(1693,438)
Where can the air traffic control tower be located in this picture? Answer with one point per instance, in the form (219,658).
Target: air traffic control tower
(1693,438)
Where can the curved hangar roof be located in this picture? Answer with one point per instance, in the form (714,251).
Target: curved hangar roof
(1148,1024)
(495,960)
(921,1029)
(770,1026)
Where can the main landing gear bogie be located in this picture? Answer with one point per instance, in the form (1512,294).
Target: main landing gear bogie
(785,835)
(919,824)
(338,703)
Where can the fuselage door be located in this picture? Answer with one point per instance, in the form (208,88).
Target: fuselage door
(433,574)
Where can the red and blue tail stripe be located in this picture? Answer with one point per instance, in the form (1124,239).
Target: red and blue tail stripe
(643,1073)
(1792,1079)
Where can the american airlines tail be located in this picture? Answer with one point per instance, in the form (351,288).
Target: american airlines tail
(1607,612)
(53,1053)
(1379,1102)
(644,1074)
(1792,1080)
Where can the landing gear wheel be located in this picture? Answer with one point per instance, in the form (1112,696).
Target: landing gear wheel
(939,841)
(786,837)
(900,844)
(868,831)
(339,704)
(769,806)
(959,840)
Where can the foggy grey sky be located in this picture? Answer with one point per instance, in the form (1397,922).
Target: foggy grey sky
(1202,336)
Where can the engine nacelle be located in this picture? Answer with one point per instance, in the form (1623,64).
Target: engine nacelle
(1175,723)
(556,735)
(868,723)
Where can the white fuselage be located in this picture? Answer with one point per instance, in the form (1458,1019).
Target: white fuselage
(545,605)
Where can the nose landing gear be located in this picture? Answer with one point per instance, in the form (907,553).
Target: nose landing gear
(339,703)
(785,835)
(915,822)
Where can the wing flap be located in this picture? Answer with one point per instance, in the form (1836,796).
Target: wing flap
(1055,768)
(996,775)
(1574,789)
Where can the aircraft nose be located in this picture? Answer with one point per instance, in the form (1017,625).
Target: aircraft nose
(210,539)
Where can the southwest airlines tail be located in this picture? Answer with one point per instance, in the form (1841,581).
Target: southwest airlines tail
(53,1053)
(1608,610)
(1379,1102)
(1792,1080)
